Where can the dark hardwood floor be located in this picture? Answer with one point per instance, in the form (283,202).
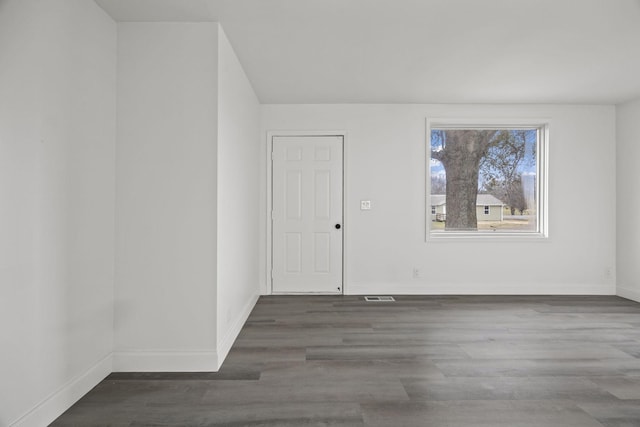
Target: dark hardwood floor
(421,361)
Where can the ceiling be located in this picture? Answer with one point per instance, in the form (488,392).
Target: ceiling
(422,51)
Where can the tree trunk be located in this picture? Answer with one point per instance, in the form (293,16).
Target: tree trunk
(461,156)
(462,192)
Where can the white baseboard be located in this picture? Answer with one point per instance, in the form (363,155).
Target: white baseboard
(225,344)
(183,361)
(165,361)
(479,289)
(628,293)
(54,405)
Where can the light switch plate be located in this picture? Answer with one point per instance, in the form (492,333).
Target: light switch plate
(365,205)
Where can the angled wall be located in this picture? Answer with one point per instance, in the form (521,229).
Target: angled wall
(238,196)
(628,199)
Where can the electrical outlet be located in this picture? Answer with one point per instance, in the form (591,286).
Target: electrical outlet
(365,205)
(416,273)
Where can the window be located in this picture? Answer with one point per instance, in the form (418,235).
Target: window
(489,177)
(433,210)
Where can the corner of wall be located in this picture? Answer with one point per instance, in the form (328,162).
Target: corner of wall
(628,293)
(226,341)
(627,199)
(69,393)
(237,195)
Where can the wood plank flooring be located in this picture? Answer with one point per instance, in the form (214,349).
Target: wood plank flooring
(454,361)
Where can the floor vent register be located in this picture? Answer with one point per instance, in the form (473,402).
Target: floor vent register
(379,299)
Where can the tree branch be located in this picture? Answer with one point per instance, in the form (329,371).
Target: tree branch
(438,155)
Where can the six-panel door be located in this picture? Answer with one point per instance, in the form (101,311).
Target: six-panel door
(307,214)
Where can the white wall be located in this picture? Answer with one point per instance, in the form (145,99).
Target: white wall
(165,307)
(238,196)
(628,199)
(57,144)
(385,163)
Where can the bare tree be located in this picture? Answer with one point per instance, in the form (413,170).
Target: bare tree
(460,152)
(510,192)
(501,168)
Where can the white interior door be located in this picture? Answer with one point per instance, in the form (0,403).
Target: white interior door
(307,214)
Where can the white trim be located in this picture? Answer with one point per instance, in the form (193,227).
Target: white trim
(225,344)
(480,289)
(463,236)
(308,293)
(165,361)
(628,293)
(268,290)
(345,220)
(488,122)
(542,181)
(54,405)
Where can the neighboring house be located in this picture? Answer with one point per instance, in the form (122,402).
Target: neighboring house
(488,207)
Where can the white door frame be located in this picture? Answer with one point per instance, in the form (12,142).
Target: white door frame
(345,222)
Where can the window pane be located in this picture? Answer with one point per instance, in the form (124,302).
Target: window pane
(484,179)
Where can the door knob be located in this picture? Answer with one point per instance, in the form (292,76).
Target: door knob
(338,226)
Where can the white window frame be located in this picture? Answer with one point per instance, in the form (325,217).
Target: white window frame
(487,210)
(542,175)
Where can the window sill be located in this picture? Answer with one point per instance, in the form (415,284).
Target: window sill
(479,236)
